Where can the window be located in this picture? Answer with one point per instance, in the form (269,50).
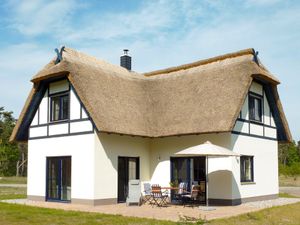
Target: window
(255,108)
(247,169)
(59,107)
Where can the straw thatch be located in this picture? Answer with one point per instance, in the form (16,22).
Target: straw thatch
(201,97)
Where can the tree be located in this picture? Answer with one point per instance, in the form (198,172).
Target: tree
(288,154)
(289,159)
(9,152)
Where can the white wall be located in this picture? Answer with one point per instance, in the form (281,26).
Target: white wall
(265,166)
(107,149)
(95,163)
(163,148)
(81,150)
(224,173)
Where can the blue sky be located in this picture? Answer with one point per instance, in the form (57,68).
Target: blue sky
(158,33)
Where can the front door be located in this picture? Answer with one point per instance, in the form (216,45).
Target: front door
(128,169)
(58,178)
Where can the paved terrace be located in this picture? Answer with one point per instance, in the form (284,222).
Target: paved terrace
(170,212)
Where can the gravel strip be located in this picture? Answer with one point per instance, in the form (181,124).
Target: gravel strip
(13,185)
(273,202)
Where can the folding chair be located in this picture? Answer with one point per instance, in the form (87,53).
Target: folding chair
(158,197)
(147,193)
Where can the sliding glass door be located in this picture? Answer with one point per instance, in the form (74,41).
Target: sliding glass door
(58,178)
(180,170)
(190,170)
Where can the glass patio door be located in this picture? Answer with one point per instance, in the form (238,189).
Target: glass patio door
(190,170)
(58,178)
(180,171)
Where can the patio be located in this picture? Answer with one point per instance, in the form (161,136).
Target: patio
(171,212)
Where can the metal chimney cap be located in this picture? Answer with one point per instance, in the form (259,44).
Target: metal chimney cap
(125,51)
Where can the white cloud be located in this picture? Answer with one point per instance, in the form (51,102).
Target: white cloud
(153,17)
(36,17)
(18,63)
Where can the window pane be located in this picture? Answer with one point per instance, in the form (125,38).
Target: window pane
(65,107)
(132,169)
(246,168)
(60,107)
(255,108)
(55,108)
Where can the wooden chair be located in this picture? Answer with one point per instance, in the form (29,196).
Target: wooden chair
(158,197)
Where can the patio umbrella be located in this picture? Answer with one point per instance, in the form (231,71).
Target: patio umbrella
(207,149)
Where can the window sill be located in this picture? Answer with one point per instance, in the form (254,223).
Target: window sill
(59,121)
(256,122)
(248,182)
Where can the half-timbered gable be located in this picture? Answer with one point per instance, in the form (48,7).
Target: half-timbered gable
(59,113)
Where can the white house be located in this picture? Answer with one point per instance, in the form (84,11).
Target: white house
(91,126)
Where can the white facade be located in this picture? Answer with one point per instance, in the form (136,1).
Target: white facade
(94,156)
(267,127)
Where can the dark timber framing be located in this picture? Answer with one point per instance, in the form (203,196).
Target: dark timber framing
(259,123)
(66,121)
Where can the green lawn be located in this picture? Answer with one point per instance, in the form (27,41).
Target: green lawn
(26,215)
(13,180)
(286,195)
(285,215)
(14,214)
(12,192)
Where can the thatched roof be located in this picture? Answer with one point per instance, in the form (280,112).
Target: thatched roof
(201,97)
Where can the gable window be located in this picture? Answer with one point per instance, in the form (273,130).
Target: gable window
(246,169)
(255,108)
(59,107)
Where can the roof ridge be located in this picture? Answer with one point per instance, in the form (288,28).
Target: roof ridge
(200,62)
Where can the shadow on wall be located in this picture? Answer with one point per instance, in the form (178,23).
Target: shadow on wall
(107,144)
(163,148)
(222,186)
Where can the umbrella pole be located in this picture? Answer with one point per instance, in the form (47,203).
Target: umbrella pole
(207,208)
(206,187)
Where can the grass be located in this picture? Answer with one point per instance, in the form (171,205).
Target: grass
(24,215)
(286,195)
(288,181)
(288,214)
(13,180)
(12,192)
